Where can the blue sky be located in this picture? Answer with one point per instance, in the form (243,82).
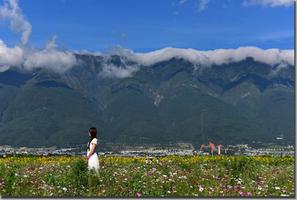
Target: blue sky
(145,25)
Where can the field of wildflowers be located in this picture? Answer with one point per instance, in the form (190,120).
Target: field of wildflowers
(171,176)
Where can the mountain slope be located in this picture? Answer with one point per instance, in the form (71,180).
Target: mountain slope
(168,101)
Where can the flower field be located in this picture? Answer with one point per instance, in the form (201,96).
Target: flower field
(171,176)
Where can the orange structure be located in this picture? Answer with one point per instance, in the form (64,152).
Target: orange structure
(212,147)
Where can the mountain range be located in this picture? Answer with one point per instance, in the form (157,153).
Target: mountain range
(132,102)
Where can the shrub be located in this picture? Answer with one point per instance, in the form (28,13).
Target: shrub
(80,173)
(239,165)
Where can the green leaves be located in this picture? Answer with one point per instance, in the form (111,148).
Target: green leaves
(79,174)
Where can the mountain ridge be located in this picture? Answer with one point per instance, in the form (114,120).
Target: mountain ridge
(169,101)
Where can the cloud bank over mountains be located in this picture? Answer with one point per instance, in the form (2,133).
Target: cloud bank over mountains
(27,58)
(273,57)
(218,56)
(61,61)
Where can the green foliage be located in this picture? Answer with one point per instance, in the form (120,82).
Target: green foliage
(10,181)
(79,174)
(240,165)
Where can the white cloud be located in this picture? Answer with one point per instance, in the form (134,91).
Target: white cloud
(218,56)
(52,59)
(87,52)
(52,43)
(10,56)
(202,5)
(4,68)
(60,61)
(122,71)
(28,59)
(204,58)
(270,3)
(49,57)
(11,11)
(276,70)
(269,56)
(112,71)
(181,2)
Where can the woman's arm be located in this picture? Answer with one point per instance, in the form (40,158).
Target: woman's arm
(91,151)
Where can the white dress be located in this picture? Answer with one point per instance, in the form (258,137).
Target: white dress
(93,162)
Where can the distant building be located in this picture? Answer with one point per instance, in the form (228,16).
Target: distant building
(280,137)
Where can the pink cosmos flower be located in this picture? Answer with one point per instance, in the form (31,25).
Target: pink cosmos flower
(138,194)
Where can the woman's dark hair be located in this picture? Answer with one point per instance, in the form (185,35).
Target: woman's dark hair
(93,133)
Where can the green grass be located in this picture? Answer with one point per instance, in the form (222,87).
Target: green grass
(171,176)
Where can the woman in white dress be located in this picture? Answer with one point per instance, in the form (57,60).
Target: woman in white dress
(92,157)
